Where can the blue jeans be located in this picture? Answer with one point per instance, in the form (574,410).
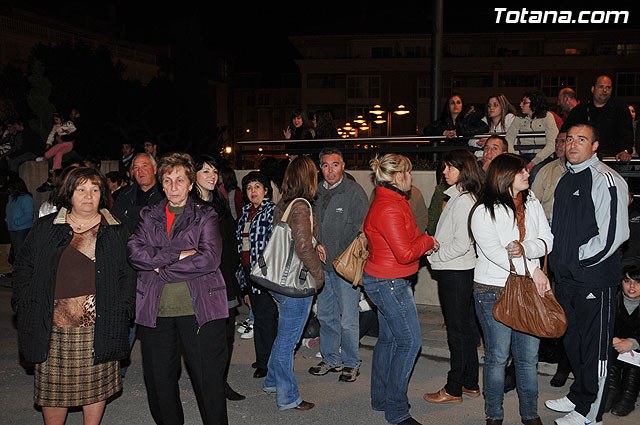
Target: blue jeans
(292,316)
(339,321)
(398,344)
(498,340)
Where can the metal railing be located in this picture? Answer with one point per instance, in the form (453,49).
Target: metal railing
(433,145)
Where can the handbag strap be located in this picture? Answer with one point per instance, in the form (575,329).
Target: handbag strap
(512,268)
(544,266)
(285,216)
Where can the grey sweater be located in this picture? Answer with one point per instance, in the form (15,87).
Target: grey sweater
(340,212)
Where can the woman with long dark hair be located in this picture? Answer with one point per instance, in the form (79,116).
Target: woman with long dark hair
(534,116)
(298,129)
(207,190)
(456,119)
(454,263)
(507,221)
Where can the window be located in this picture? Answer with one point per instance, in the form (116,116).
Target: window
(423,87)
(325,81)
(552,84)
(363,87)
(415,52)
(518,80)
(382,52)
(478,80)
(628,84)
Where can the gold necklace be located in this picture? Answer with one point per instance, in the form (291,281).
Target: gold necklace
(78,224)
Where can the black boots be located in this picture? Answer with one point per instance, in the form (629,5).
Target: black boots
(623,386)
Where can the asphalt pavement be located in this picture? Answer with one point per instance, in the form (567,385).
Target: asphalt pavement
(337,403)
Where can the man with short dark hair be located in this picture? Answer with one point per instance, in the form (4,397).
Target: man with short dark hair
(493,147)
(610,116)
(340,209)
(127,157)
(589,223)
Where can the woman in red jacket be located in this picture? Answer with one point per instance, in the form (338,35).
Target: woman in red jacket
(395,247)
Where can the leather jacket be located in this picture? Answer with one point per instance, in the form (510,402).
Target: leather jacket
(298,221)
(395,242)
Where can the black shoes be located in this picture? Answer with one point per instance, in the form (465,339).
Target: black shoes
(559,379)
(231,395)
(260,373)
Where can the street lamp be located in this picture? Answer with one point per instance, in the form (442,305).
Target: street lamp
(379,112)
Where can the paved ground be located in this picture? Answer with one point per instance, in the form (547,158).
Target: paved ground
(337,403)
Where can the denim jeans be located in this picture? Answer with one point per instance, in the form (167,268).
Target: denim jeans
(398,344)
(498,340)
(292,316)
(339,322)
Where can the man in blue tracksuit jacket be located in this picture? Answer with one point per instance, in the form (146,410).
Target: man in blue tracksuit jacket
(589,223)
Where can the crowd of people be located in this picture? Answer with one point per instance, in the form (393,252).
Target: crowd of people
(163,251)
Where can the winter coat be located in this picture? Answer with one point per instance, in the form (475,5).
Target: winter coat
(395,242)
(34,283)
(493,235)
(150,248)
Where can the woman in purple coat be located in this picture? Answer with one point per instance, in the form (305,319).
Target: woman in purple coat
(181,301)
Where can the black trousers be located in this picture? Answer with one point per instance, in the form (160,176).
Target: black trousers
(265,323)
(206,356)
(590,317)
(265,326)
(230,328)
(455,288)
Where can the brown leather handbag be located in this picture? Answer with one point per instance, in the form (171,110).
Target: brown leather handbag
(522,309)
(350,264)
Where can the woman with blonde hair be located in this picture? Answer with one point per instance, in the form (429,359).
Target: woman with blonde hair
(300,181)
(499,116)
(395,247)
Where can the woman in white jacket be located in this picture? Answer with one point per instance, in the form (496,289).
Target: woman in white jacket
(508,221)
(454,262)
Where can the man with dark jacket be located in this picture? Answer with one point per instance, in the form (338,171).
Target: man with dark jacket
(340,210)
(132,199)
(589,223)
(610,116)
(143,192)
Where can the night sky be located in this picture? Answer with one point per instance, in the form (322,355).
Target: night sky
(259,33)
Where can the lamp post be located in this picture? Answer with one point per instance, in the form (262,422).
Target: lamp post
(379,112)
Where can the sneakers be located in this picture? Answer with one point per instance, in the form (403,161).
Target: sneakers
(563,405)
(349,374)
(573,418)
(246,329)
(244,325)
(310,342)
(248,333)
(323,368)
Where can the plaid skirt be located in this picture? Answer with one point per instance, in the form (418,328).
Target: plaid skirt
(68,377)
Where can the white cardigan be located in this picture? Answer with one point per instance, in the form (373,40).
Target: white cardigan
(452,233)
(492,237)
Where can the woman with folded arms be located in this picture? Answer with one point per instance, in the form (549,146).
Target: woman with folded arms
(181,302)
